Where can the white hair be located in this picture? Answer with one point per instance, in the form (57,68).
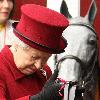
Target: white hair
(20,43)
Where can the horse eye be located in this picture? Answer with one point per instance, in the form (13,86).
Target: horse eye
(92,41)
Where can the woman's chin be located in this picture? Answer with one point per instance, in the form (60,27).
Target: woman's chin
(28,71)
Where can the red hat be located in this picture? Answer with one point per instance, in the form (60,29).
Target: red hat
(41,28)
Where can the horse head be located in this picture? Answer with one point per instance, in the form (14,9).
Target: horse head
(79,61)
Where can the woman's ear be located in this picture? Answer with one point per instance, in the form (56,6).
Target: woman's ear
(14,47)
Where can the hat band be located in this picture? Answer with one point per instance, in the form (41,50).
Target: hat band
(43,46)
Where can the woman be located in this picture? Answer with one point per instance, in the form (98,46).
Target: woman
(23,65)
(6,10)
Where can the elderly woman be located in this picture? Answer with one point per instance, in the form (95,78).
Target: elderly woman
(23,68)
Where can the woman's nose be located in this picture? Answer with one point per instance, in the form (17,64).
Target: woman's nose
(5,4)
(38,64)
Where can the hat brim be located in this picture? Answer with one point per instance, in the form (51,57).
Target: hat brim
(36,45)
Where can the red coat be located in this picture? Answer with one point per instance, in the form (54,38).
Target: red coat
(15,85)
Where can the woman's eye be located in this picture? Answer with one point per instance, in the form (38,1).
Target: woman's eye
(34,58)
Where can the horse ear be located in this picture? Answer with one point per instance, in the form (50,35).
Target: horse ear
(91,12)
(64,10)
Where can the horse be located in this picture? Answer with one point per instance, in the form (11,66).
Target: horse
(79,63)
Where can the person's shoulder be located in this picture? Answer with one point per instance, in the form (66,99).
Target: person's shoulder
(12,21)
(3,64)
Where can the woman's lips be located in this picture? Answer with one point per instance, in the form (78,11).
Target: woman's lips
(5,13)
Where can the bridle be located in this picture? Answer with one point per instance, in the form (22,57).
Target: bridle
(59,65)
(83,81)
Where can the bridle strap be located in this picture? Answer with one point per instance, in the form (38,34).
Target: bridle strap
(69,57)
(86,25)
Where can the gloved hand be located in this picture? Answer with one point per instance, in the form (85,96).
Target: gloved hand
(50,90)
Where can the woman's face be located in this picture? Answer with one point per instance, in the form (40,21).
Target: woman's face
(30,59)
(6,7)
